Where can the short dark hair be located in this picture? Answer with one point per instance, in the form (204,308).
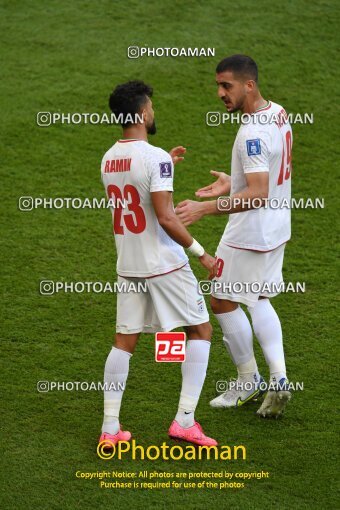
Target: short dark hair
(128,98)
(240,65)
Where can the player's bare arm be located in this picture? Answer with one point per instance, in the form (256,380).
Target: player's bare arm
(257,188)
(218,188)
(169,221)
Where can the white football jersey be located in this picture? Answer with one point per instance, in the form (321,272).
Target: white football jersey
(262,145)
(131,170)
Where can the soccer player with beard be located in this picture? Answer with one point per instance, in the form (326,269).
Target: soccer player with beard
(252,247)
(150,241)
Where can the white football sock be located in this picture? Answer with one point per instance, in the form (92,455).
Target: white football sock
(115,374)
(238,339)
(267,328)
(194,369)
(248,372)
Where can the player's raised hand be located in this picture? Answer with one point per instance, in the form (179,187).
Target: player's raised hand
(177,154)
(218,188)
(189,211)
(209,263)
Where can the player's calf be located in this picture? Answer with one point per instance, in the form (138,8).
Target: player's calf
(199,331)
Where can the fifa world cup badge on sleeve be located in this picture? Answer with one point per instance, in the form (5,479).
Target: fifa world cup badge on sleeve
(165,169)
(254,147)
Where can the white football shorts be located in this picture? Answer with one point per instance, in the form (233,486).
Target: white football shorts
(245,275)
(171,300)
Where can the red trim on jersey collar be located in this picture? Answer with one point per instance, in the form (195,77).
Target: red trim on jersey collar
(264,109)
(126,140)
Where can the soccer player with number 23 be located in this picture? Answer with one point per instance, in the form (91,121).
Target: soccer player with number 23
(150,241)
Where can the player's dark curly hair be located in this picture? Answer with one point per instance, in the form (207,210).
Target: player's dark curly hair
(129,98)
(241,65)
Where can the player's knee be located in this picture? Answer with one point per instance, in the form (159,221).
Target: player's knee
(126,342)
(215,305)
(222,305)
(206,331)
(200,331)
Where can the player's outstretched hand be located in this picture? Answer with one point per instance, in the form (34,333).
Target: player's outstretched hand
(177,154)
(189,211)
(209,263)
(218,188)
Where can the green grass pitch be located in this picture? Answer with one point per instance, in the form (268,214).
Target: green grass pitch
(66,57)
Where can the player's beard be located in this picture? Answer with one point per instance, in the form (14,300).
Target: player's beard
(234,109)
(151,130)
(237,106)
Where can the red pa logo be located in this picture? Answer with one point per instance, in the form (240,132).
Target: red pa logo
(170,347)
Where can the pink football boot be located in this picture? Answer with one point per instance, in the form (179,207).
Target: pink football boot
(193,434)
(113,439)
